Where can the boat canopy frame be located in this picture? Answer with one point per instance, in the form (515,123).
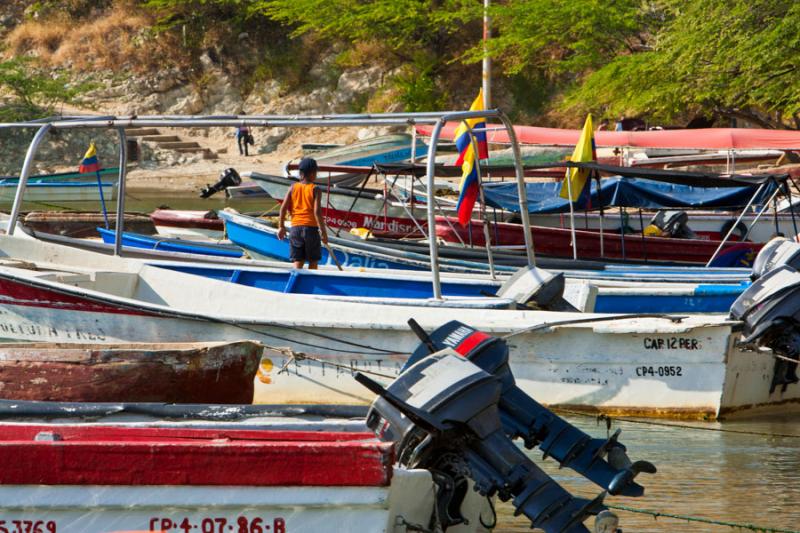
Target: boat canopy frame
(436,119)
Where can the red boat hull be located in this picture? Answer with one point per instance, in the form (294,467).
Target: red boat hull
(81,455)
(557,242)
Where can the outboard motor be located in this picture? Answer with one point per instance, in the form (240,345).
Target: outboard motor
(770,311)
(533,285)
(673,224)
(778,251)
(455,409)
(227,178)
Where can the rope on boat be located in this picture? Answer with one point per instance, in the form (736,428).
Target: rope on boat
(294,357)
(546,325)
(608,419)
(734,525)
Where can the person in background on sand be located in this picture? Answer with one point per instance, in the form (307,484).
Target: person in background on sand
(304,202)
(603,125)
(242,138)
(620,126)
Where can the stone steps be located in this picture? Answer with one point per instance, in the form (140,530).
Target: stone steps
(141,132)
(178,146)
(161,138)
(171,142)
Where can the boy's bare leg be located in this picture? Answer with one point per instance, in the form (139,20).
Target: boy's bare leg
(299,264)
(312,265)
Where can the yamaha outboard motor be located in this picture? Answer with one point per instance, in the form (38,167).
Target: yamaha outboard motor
(227,178)
(673,224)
(770,310)
(456,411)
(778,251)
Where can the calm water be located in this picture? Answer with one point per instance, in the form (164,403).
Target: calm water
(723,476)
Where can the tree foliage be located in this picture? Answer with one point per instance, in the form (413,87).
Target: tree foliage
(725,58)
(33,94)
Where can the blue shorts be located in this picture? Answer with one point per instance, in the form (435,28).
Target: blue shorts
(305,243)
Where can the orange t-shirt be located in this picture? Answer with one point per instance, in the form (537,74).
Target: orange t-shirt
(302,196)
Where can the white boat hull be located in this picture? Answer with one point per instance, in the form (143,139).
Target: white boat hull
(61,194)
(106,509)
(689,366)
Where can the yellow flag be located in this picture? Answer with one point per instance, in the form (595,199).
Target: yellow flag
(584,152)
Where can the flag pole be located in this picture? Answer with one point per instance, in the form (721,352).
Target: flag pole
(571,215)
(102,198)
(487,62)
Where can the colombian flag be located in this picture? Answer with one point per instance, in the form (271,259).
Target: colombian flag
(585,151)
(462,135)
(90,162)
(468,160)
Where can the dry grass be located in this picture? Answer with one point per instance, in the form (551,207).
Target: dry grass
(112,41)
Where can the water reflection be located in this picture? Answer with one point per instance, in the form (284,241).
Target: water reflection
(723,476)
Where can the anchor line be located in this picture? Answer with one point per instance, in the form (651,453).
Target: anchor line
(609,419)
(546,325)
(687,518)
(294,357)
(377,351)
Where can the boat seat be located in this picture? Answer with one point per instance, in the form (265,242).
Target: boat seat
(116,283)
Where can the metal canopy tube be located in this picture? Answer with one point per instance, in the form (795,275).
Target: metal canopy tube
(739,219)
(23,176)
(433,245)
(522,191)
(123,170)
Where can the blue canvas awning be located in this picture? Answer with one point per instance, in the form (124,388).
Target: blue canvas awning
(627,192)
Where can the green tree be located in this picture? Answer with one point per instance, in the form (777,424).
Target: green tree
(31,93)
(724,58)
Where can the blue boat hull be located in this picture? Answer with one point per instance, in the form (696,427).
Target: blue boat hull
(170,245)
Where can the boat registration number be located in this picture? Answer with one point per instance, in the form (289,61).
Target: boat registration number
(219,524)
(660,371)
(28,526)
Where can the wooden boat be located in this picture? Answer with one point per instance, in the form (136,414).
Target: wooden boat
(188,224)
(104,478)
(83,224)
(171,373)
(60,294)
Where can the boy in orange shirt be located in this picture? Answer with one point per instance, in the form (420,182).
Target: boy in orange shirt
(304,201)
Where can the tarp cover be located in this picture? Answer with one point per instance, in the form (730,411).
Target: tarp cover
(626,192)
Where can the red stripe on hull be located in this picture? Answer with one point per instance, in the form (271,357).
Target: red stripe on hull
(14,292)
(163,456)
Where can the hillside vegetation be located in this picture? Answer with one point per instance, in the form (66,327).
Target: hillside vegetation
(668,61)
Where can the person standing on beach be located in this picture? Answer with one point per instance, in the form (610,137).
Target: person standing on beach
(304,201)
(242,139)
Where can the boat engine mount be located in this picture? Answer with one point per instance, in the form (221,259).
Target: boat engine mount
(455,410)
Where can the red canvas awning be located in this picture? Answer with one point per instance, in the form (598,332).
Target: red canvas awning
(705,139)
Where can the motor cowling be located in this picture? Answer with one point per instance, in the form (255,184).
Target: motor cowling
(778,251)
(227,178)
(770,312)
(673,224)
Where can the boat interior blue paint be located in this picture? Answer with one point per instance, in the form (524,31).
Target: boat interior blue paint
(665,303)
(268,244)
(721,290)
(307,282)
(170,245)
